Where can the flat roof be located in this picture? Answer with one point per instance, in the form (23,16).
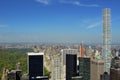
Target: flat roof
(76,77)
(98,61)
(33,53)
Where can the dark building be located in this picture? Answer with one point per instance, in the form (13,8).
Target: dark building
(115,69)
(115,62)
(84,68)
(71,66)
(14,75)
(114,74)
(35,66)
(105,76)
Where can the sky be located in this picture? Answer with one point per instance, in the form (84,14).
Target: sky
(56,20)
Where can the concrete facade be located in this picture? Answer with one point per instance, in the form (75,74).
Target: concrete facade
(97,68)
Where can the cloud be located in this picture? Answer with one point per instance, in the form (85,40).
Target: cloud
(93,25)
(45,2)
(77,3)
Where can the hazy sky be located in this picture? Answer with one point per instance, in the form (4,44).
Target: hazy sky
(56,20)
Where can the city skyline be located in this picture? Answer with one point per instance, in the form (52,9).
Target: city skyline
(56,20)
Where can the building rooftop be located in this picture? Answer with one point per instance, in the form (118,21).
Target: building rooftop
(76,77)
(33,53)
(98,61)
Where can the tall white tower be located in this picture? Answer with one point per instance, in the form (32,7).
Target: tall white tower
(106,51)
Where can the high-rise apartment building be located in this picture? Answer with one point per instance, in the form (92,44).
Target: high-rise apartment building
(106,51)
(56,68)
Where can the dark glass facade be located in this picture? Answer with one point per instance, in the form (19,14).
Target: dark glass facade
(71,66)
(35,66)
(84,68)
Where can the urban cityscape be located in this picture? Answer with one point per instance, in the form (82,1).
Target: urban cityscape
(59,40)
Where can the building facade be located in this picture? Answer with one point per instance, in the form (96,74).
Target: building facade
(97,68)
(84,68)
(106,51)
(115,69)
(56,68)
(68,63)
(71,66)
(114,74)
(35,66)
(105,76)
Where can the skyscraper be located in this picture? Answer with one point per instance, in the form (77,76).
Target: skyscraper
(106,51)
(35,66)
(97,68)
(68,63)
(84,68)
(71,66)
